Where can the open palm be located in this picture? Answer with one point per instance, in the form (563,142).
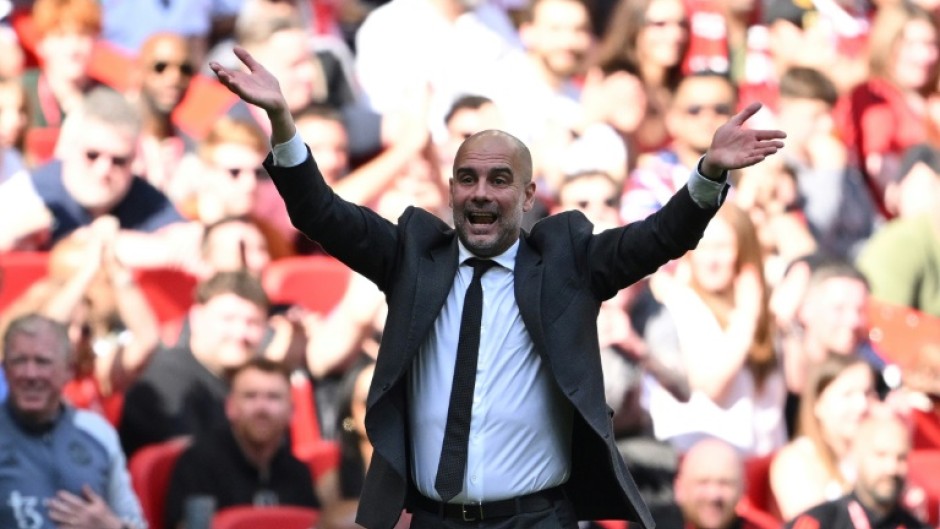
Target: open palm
(256,86)
(734,146)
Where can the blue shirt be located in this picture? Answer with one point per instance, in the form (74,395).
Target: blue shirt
(144,207)
(80,448)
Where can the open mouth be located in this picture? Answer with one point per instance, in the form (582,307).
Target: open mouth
(481,218)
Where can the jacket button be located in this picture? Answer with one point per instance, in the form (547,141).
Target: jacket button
(385,386)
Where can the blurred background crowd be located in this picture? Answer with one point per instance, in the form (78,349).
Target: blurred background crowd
(134,210)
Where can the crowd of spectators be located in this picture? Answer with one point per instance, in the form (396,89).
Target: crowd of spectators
(120,153)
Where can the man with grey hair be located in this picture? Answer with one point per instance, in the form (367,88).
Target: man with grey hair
(62,467)
(91,178)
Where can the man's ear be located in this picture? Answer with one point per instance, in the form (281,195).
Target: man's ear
(529,202)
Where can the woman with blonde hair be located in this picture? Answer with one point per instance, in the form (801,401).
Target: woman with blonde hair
(813,467)
(724,326)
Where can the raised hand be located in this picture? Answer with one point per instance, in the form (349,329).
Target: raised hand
(734,146)
(256,86)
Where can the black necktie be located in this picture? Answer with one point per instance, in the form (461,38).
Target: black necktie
(453,463)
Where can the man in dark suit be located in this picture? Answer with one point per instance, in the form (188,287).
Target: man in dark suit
(524,439)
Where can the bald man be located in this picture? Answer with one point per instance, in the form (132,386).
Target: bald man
(879,455)
(708,487)
(500,319)
(165,69)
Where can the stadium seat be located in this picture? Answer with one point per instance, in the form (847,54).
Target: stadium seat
(151,468)
(900,333)
(758,495)
(205,102)
(923,469)
(18,271)
(40,144)
(304,425)
(281,517)
(316,283)
(323,458)
(169,292)
(926,429)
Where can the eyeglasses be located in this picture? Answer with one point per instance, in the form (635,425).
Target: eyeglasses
(721,109)
(234,172)
(610,202)
(681,23)
(121,162)
(185,68)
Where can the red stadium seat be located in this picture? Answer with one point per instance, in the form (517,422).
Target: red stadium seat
(304,426)
(316,283)
(151,468)
(900,334)
(923,468)
(323,458)
(758,495)
(40,144)
(281,517)
(169,292)
(18,271)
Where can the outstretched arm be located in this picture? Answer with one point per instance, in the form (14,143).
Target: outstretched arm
(734,146)
(259,87)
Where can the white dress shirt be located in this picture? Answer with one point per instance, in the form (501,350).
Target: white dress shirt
(520,423)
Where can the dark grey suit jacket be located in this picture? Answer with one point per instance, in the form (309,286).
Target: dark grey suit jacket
(563,272)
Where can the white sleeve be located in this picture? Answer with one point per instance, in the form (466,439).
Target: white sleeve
(705,192)
(291,153)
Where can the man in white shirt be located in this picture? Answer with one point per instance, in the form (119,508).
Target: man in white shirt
(525,438)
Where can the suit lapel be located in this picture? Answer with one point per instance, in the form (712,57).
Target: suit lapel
(436,272)
(528,290)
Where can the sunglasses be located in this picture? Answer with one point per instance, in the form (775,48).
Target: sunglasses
(121,162)
(185,68)
(682,23)
(610,202)
(721,109)
(234,172)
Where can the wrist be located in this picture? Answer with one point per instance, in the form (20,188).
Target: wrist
(710,171)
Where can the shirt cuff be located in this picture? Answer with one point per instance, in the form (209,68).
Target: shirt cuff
(707,193)
(291,153)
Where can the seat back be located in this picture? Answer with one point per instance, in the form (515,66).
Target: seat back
(169,292)
(304,424)
(901,334)
(316,282)
(151,468)
(280,517)
(923,468)
(758,494)
(18,271)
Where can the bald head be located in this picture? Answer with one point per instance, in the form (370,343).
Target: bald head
(879,453)
(166,67)
(709,484)
(522,160)
(160,40)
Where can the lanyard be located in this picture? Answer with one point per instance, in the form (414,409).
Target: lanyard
(858,516)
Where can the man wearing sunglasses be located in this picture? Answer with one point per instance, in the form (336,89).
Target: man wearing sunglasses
(165,69)
(91,177)
(703,102)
